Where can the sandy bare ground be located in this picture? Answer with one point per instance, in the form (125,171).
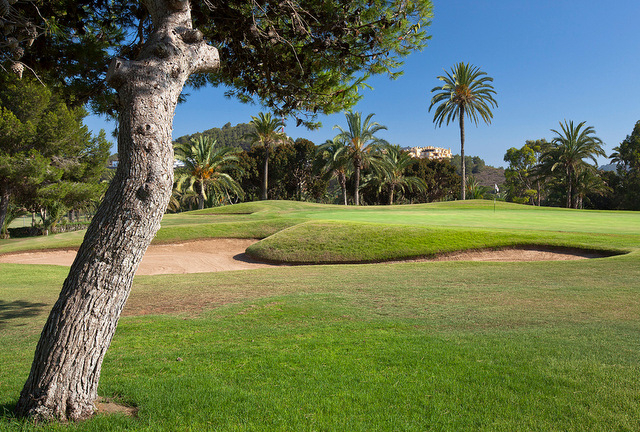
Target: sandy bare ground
(214,255)
(190,257)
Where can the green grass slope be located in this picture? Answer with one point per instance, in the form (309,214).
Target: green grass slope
(444,346)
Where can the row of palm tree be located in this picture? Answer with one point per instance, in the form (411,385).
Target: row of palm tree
(206,166)
(357,148)
(205,177)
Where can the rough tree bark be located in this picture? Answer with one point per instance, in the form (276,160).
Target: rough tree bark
(64,376)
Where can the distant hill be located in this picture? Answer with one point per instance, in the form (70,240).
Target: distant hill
(485,175)
(610,167)
(231,136)
(490,176)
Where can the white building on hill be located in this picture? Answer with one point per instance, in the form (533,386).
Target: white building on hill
(430,152)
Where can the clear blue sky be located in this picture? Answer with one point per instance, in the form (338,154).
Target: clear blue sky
(550,59)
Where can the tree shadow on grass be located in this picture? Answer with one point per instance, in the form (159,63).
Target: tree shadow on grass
(10,311)
(7,412)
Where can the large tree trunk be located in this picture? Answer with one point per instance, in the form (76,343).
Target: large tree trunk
(462,161)
(66,368)
(265,173)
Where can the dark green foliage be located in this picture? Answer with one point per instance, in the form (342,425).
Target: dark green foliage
(389,176)
(627,157)
(523,181)
(48,158)
(291,173)
(359,145)
(473,164)
(307,56)
(441,178)
(563,161)
(205,173)
(333,165)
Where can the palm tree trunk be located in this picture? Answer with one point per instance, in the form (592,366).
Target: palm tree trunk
(64,376)
(265,173)
(462,161)
(391,195)
(202,198)
(569,198)
(356,192)
(343,186)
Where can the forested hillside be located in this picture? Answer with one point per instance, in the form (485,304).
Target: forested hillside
(485,175)
(232,136)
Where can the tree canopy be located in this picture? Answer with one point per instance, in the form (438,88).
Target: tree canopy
(297,58)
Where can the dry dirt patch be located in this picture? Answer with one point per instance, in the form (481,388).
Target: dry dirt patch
(214,255)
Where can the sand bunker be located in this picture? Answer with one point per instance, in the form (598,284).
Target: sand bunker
(214,255)
(200,256)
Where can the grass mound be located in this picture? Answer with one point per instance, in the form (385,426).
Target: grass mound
(350,242)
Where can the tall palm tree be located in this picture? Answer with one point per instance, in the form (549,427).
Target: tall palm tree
(359,140)
(391,171)
(268,134)
(204,168)
(466,91)
(333,162)
(567,152)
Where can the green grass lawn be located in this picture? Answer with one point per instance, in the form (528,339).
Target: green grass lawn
(442,346)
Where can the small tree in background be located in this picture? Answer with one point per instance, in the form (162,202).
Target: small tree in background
(627,157)
(391,172)
(332,161)
(49,161)
(565,157)
(205,169)
(268,136)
